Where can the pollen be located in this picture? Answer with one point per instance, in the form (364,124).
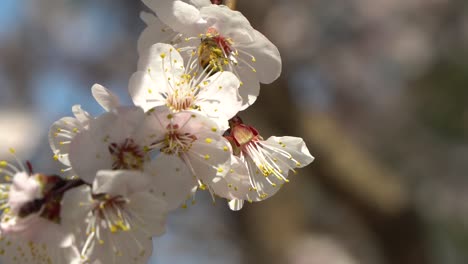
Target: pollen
(220,170)
(208,140)
(207,157)
(163,55)
(3,163)
(214,129)
(56,157)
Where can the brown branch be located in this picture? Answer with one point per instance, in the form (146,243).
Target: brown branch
(231,4)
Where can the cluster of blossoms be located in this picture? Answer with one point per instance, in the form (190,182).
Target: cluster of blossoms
(123,171)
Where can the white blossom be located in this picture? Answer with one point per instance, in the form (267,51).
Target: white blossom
(222,38)
(114,221)
(192,153)
(112,141)
(30,230)
(262,166)
(162,79)
(62,132)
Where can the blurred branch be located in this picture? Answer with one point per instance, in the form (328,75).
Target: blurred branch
(231,4)
(347,172)
(352,168)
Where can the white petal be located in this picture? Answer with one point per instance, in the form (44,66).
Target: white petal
(104,97)
(18,251)
(145,92)
(236,204)
(294,146)
(89,150)
(151,211)
(24,189)
(89,155)
(159,55)
(265,186)
(62,131)
(236,184)
(250,88)
(155,32)
(75,205)
(180,16)
(171,180)
(210,157)
(81,115)
(220,98)
(228,23)
(267,57)
(120,182)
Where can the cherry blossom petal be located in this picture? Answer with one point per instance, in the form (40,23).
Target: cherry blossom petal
(150,208)
(295,146)
(267,59)
(210,157)
(228,23)
(180,16)
(155,32)
(171,180)
(161,58)
(120,182)
(250,88)
(89,150)
(60,134)
(145,92)
(219,98)
(80,114)
(104,97)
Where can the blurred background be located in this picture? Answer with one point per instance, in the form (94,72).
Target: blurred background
(378,89)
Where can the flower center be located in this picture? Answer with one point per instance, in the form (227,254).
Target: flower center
(214,51)
(110,210)
(179,101)
(176,142)
(127,155)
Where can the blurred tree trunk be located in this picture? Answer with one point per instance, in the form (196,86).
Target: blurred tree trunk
(346,172)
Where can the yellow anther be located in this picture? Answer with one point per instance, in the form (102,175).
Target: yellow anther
(113,228)
(56,157)
(207,157)
(208,140)
(3,163)
(163,55)
(225,148)
(12,150)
